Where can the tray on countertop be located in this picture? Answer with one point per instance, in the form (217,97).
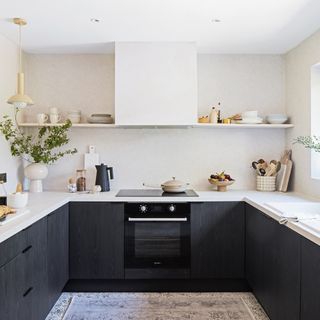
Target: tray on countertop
(14,216)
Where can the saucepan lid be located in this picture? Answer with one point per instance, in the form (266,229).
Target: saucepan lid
(174,183)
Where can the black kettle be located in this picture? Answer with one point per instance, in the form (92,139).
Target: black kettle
(102,177)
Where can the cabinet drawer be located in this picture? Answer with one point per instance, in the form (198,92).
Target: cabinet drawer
(23,279)
(12,247)
(14,289)
(20,242)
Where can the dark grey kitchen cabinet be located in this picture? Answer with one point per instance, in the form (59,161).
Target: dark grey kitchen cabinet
(96,240)
(36,268)
(261,255)
(23,280)
(58,252)
(310,280)
(289,272)
(217,240)
(13,286)
(273,265)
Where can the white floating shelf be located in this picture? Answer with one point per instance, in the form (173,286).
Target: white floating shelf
(197,125)
(75,125)
(247,126)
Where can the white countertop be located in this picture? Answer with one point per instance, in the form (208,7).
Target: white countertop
(42,204)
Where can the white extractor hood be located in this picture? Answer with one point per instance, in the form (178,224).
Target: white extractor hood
(155,83)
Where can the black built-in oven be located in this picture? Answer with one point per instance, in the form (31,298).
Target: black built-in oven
(157,240)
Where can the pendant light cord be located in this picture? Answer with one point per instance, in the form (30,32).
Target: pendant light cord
(20,50)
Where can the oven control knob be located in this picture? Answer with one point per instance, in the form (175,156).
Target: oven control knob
(172,208)
(143,208)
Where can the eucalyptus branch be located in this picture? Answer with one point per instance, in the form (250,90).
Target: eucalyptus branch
(310,142)
(42,148)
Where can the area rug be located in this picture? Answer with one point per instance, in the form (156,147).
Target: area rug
(158,306)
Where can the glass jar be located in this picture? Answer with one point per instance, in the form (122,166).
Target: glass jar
(81,180)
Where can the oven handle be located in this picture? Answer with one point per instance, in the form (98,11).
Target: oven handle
(157,219)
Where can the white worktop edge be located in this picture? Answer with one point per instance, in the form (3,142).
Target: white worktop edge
(40,205)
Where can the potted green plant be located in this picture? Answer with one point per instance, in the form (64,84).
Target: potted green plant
(40,149)
(310,142)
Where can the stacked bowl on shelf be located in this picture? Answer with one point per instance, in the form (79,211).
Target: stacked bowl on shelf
(100,118)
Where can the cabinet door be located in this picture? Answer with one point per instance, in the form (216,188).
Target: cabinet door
(288,271)
(96,240)
(310,280)
(217,240)
(12,290)
(261,258)
(36,269)
(273,265)
(23,285)
(58,252)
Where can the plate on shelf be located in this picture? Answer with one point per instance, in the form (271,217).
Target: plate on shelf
(250,121)
(106,121)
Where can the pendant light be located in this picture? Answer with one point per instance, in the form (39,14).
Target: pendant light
(20,99)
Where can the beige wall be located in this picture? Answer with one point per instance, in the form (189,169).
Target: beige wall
(70,82)
(8,71)
(298,107)
(154,155)
(242,82)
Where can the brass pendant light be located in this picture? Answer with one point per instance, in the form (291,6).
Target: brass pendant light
(20,99)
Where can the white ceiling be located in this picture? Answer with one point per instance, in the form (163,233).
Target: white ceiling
(247,26)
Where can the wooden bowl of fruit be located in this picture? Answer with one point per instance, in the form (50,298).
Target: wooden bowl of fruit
(221,181)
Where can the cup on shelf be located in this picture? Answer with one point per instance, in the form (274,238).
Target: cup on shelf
(55,118)
(42,118)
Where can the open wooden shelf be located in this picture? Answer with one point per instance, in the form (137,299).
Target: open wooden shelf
(196,125)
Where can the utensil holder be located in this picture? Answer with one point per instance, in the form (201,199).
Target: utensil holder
(266,183)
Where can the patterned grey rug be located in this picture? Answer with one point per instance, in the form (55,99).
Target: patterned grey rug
(157,306)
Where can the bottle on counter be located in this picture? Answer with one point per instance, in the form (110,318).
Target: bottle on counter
(213,115)
(81,180)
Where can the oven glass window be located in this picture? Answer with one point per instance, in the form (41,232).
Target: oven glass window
(161,240)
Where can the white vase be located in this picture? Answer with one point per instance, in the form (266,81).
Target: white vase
(36,172)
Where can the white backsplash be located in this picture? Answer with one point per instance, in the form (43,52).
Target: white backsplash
(155,155)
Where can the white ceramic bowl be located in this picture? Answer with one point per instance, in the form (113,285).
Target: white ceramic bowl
(17,200)
(74,118)
(276,118)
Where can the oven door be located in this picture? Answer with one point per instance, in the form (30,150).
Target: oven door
(157,243)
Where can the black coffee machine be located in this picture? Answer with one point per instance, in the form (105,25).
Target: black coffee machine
(102,178)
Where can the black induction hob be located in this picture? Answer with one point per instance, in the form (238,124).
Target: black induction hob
(154,193)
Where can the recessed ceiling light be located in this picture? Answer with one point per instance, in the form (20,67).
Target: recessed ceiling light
(215,20)
(94,20)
